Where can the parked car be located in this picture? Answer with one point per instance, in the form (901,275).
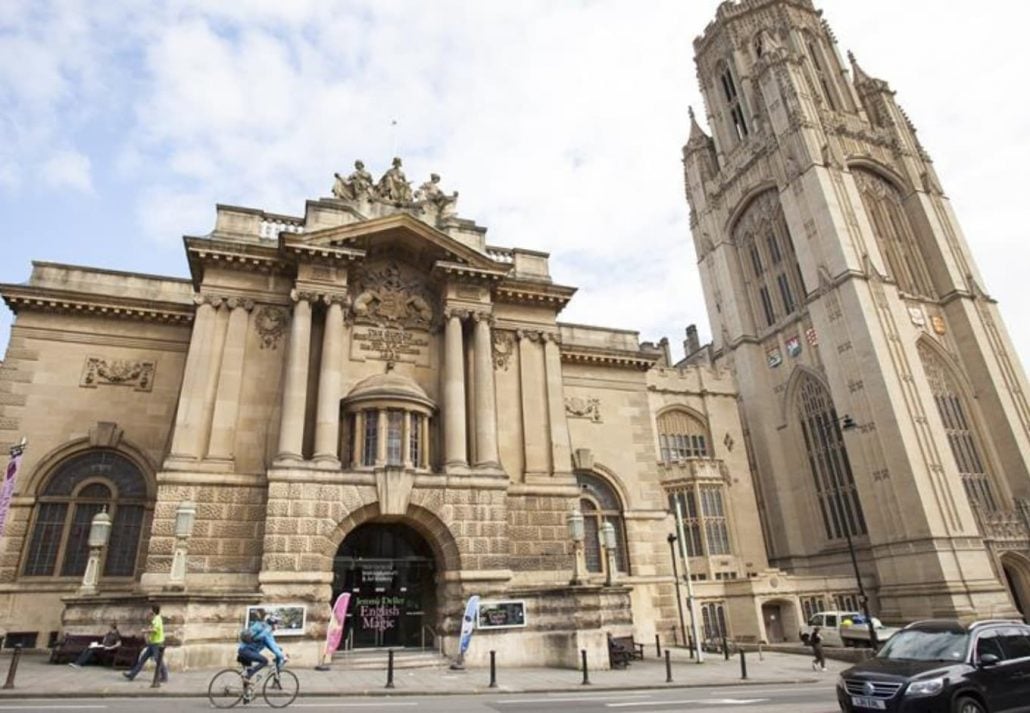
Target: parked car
(943,666)
(845,628)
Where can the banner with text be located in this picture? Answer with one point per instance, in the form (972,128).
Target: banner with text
(7,489)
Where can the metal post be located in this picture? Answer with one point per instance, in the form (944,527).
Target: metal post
(9,683)
(493,669)
(690,645)
(725,648)
(690,585)
(743,664)
(668,667)
(658,645)
(159,657)
(676,576)
(586,674)
(389,669)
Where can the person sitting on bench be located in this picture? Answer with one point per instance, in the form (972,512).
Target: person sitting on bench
(111,641)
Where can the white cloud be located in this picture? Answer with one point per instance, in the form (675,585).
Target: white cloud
(68,169)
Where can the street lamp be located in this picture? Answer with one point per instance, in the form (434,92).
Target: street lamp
(676,577)
(185,516)
(608,539)
(578,534)
(848,424)
(99,534)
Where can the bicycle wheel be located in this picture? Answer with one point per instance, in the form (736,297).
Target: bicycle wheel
(226,688)
(280,690)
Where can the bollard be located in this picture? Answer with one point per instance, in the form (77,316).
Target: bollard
(586,674)
(690,640)
(493,669)
(743,664)
(668,667)
(658,645)
(725,648)
(159,658)
(760,656)
(14,667)
(389,669)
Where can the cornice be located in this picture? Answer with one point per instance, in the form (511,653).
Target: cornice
(294,245)
(249,257)
(469,272)
(535,293)
(23,297)
(626,360)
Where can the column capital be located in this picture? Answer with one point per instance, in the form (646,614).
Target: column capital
(206,298)
(532,335)
(461,314)
(483,316)
(303,295)
(553,337)
(336,298)
(240,303)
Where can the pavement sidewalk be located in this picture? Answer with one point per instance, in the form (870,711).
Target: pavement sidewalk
(36,677)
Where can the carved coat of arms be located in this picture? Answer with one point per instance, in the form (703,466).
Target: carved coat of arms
(389,297)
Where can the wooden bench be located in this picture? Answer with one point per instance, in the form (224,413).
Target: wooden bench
(69,648)
(622,650)
(126,655)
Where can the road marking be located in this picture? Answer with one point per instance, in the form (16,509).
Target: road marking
(707,701)
(50,706)
(556,699)
(353,705)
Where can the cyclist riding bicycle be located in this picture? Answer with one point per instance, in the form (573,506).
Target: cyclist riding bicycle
(261,636)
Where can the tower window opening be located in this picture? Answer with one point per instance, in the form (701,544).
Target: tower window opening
(821,77)
(734,104)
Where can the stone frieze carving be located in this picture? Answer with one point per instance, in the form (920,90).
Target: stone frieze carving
(581,407)
(118,372)
(504,347)
(270,323)
(392,296)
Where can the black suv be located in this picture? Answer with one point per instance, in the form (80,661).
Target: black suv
(940,666)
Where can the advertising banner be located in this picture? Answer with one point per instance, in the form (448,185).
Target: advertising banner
(468,624)
(334,634)
(7,489)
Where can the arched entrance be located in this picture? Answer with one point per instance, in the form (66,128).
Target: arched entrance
(388,568)
(1017,577)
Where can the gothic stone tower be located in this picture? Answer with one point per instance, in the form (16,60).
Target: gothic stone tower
(838,282)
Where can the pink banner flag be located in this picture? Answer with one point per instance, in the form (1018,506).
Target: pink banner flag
(334,634)
(7,489)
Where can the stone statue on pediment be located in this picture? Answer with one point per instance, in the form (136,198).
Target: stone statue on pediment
(393,187)
(357,185)
(430,192)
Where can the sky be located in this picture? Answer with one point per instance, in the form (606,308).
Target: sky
(560,123)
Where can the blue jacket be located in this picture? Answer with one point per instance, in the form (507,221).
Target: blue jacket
(263,639)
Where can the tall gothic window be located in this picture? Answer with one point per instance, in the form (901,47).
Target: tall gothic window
(78,489)
(820,70)
(828,462)
(734,105)
(705,527)
(713,620)
(769,265)
(599,504)
(962,437)
(681,436)
(884,206)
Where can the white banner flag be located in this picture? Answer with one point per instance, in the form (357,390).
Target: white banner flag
(7,489)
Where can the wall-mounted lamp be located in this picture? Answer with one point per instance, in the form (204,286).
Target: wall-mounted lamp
(185,516)
(577,533)
(99,534)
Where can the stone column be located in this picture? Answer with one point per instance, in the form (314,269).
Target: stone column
(486,408)
(291,429)
(327,422)
(424,460)
(230,380)
(455,443)
(406,440)
(381,435)
(189,418)
(359,440)
(561,451)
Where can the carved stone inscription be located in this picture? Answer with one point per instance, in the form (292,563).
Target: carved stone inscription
(397,345)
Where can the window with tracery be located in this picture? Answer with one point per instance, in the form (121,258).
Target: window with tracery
(820,69)
(734,104)
(599,504)
(713,620)
(828,462)
(78,489)
(681,436)
(962,436)
(894,236)
(768,263)
(705,526)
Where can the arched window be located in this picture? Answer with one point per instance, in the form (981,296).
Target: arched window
(734,103)
(828,461)
(77,490)
(681,436)
(768,263)
(962,437)
(599,503)
(821,72)
(894,236)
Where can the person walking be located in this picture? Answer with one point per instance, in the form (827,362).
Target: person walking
(155,634)
(815,640)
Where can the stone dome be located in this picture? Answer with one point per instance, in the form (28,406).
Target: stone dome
(389,387)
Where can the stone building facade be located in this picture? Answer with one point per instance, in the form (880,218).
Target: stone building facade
(839,283)
(368,398)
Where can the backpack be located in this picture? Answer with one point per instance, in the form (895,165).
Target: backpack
(249,634)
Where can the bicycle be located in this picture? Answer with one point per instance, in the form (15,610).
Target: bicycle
(228,687)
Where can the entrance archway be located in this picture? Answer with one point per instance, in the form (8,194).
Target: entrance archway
(389,570)
(1017,577)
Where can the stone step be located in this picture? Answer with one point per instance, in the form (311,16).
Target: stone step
(376,659)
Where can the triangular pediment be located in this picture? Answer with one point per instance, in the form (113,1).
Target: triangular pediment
(400,229)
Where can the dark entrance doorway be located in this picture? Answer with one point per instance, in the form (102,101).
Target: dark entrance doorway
(389,571)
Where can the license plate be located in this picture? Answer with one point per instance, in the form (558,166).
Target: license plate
(866,702)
